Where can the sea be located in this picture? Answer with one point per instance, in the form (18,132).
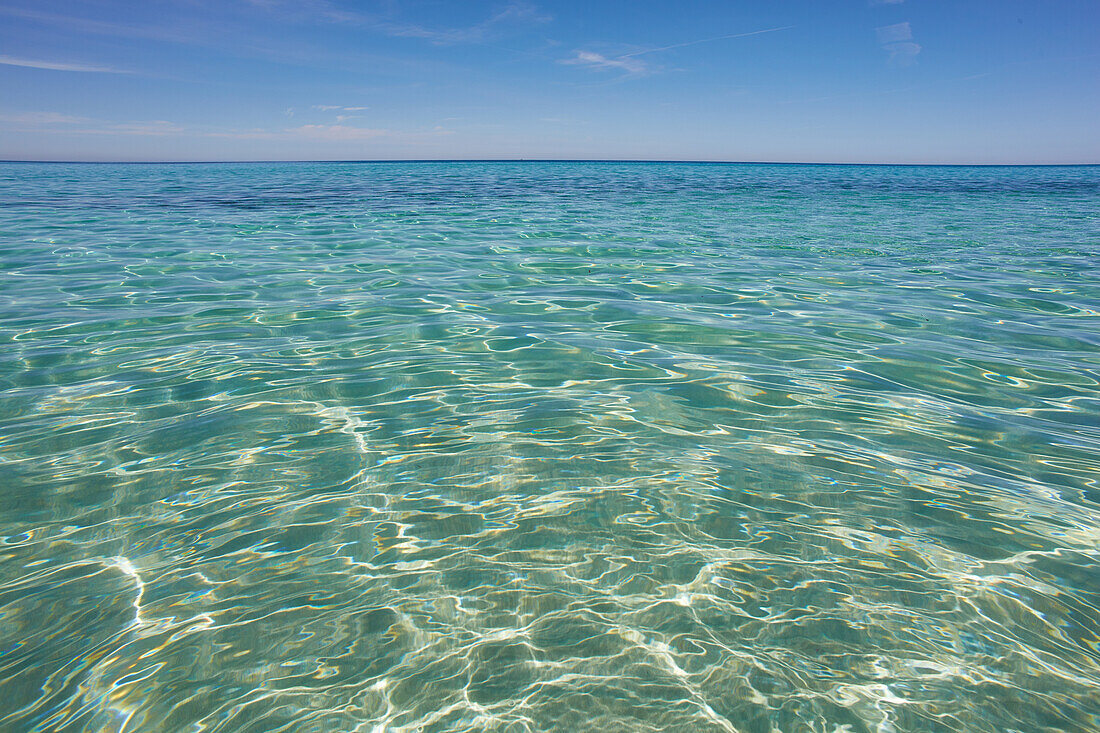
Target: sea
(549,446)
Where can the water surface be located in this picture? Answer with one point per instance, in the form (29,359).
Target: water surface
(549,447)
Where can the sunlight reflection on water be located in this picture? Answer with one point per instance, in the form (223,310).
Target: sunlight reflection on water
(548,446)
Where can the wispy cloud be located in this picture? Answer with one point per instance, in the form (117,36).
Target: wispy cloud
(513,14)
(898,40)
(156,128)
(97,27)
(58,66)
(221,26)
(331,133)
(631,64)
(598,61)
(60,124)
(344,110)
(57,123)
(706,40)
(43,118)
(884,2)
(336,132)
(893,33)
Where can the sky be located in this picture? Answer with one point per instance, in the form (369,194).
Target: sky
(871,81)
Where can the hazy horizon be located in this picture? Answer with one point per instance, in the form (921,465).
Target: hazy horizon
(860,82)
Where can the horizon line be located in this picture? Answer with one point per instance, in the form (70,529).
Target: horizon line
(541,160)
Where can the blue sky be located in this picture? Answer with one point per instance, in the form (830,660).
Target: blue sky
(938,81)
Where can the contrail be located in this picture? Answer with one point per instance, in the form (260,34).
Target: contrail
(706,40)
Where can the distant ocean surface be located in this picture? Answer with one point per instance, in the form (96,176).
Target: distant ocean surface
(561,446)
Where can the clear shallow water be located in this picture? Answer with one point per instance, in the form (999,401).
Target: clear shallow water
(519,447)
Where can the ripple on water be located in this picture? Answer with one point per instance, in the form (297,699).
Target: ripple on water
(521,447)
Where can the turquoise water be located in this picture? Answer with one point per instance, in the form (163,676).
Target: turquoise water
(549,447)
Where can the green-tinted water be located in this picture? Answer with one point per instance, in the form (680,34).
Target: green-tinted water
(549,446)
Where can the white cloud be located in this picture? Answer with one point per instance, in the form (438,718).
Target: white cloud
(898,41)
(338,108)
(43,118)
(58,66)
(631,64)
(886,2)
(893,33)
(155,128)
(598,61)
(330,133)
(514,13)
(903,53)
(84,25)
(336,132)
(90,126)
(711,39)
(49,121)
